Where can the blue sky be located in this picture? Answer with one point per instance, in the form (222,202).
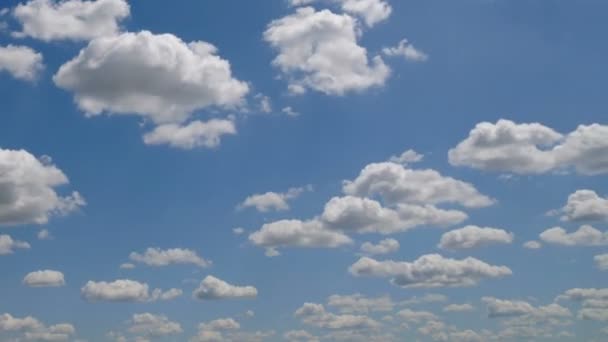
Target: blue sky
(177,123)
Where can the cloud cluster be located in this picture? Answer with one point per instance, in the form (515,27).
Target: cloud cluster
(371,11)
(212,288)
(474,237)
(124,290)
(157,257)
(34,330)
(511,308)
(21,62)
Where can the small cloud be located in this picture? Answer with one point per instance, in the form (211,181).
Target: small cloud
(290,112)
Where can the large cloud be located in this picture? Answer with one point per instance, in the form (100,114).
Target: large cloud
(8,245)
(70,19)
(212,288)
(124,290)
(318,50)
(473,237)
(27,189)
(585,236)
(45,278)
(430,271)
(585,205)
(533,148)
(157,257)
(21,62)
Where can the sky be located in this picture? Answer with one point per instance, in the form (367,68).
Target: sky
(303,170)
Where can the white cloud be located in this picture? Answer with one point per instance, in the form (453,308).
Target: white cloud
(585,236)
(10,323)
(45,278)
(8,245)
(372,11)
(458,308)
(430,271)
(385,246)
(427,298)
(397,184)
(272,201)
(34,330)
(416,316)
(318,50)
(315,314)
(238,231)
(585,205)
(601,261)
(44,234)
(474,237)
(510,308)
(70,19)
(212,288)
(407,157)
(157,257)
(406,50)
(124,290)
(360,304)
(533,148)
(21,62)
(27,189)
(127,266)
(264,103)
(195,134)
(220,324)
(292,113)
(151,325)
(594,314)
(300,336)
(532,245)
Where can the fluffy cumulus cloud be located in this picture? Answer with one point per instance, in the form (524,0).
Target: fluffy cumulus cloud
(406,50)
(70,19)
(151,325)
(385,246)
(157,257)
(272,201)
(371,11)
(585,205)
(45,278)
(601,261)
(8,245)
(585,236)
(195,134)
(21,62)
(473,237)
(511,308)
(316,315)
(532,148)
(430,271)
(212,288)
(27,189)
(360,304)
(407,157)
(318,50)
(31,329)
(124,290)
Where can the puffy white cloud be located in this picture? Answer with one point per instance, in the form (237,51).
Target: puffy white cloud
(430,271)
(27,189)
(533,148)
(385,246)
(407,157)
(45,278)
(195,134)
(585,236)
(585,205)
(509,308)
(157,257)
(70,19)
(227,330)
(372,11)
(473,237)
(10,323)
(124,290)
(212,288)
(167,80)
(151,325)
(8,245)
(458,308)
(34,330)
(532,245)
(21,62)
(273,201)
(220,324)
(601,261)
(316,315)
(406,50)
(53,333)
(398,184)
(318,50)
(358,303)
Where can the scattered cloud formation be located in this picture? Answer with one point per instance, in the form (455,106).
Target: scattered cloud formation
(318,50)
(474,237)
(151,325)
(21,62)
(385,246)
(212,288)
(430,271)
(27,189)
(273,201)
(157,257)
(8,245)
(533,149)
(406,50)
(585,236)
(50,20)
(586,206)
(124,290)
(45,278)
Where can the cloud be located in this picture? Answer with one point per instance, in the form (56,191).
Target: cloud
(273,201)
(212,288)
(127,266)
(8,245)
(429,271)
(157,257)
(585,236)
(358,303)
(427,298)
(533,148)
(213,331)
(124,290)
(416,316)
(532,245)
(458,308)
(151,325)
(585,205)
(407,157)
(385,246)
(318,50)
(21,62)
(397,184)
(197,133)
(299,336)
(238,231)
(474,237)
(27,189)
(292,113)
(49,20)
(372,11)
(406,50)
(601,261)
(44,234)
(315,314)
(45,278)
(510,308)
(34,330)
